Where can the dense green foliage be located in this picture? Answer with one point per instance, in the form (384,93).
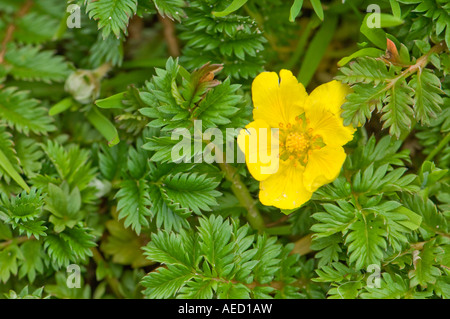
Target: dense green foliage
(87,175)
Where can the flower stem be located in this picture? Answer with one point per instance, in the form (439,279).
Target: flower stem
(12,27)
(243,195)
(440,146)
(17,241)
(101,71)
(279,230)
(303,245)
(170,36)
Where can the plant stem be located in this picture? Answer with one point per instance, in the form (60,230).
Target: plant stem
(170,36)
(420,64)
(17,240)
(303,245)
(12,27)
(243,195)
(279,230)
(440,146)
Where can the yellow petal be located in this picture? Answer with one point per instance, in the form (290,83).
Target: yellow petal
(323,167)
(330,96)
(284,189)
(277,101)
(328,126)
(260,144)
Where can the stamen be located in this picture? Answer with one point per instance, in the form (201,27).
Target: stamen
(297,142)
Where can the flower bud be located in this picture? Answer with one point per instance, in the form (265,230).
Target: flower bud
(83,85)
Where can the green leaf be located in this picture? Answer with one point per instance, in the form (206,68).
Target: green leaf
(335,219)
(29,63)
(398,113)
(232,291)
(413,220)
(191,191)
(267,253)
(172,249)
(104,126)
(396,10)
(335,272)
(112,160)
(317,49)
(427,98)
(112,15)
(133,204)
(170,8)
(387,20)
(30,228)
(424,272)
(61,106)
(367,52)
(112,102)
(25,206)
(72,164)
(8,262)
(329,249)
(58,250)
(295,10)
(392,287)
(23,113)
(235,5)
(8,167)
(35,28)
(198,289)
(166,282)
(317,6)
(375,35)
(366,70)
(65,205)
(124,246)
(362,102)
(33,260)
(366,242)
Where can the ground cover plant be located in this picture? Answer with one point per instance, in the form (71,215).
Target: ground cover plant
(224,149)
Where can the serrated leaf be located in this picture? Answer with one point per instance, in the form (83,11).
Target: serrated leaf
(112,15)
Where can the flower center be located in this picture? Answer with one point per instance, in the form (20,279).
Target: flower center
(297,142)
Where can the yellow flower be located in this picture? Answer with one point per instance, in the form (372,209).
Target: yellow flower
(304,135)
